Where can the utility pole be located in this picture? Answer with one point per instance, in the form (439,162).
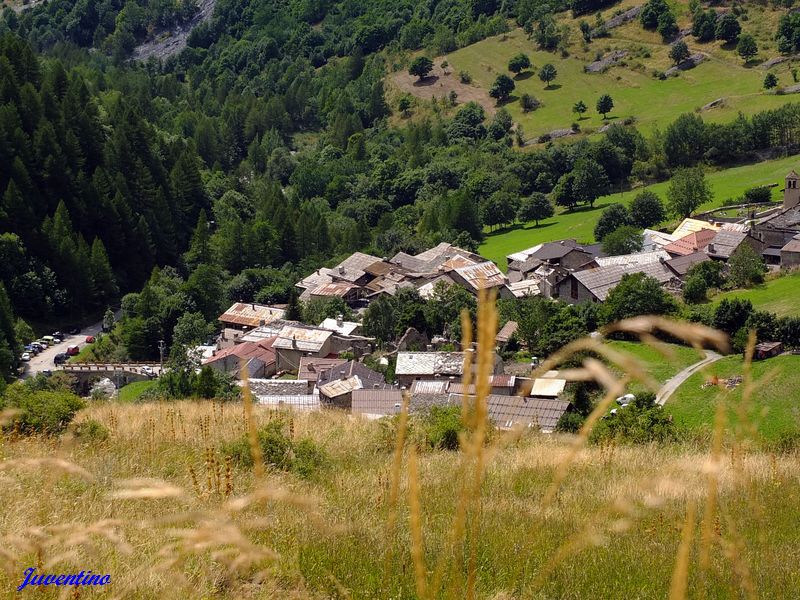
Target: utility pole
(161,346)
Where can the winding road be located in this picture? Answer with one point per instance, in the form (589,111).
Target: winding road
(674,383)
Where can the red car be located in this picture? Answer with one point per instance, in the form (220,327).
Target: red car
(90,339)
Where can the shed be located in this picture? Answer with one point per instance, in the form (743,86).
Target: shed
(767,350)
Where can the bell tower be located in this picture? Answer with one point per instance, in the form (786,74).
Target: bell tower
(791,193)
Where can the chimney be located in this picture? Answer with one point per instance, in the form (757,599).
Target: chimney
(253,306)
(294,342)
(339,320)
(311,368)
(341,269)
(711,248)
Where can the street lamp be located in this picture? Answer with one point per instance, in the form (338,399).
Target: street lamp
(161,346)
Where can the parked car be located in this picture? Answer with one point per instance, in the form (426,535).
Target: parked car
(58,334)
(36,347)
(73,350)
(60,358)
(48,339)
(73,330)
(90,339)
(26,356)
(47,372)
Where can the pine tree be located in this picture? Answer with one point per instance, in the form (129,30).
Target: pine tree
(199,248)
(104,284)
(293,311)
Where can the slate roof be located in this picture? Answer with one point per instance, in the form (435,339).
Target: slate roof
(317,278)
(377,402)
(634,259)
(681,264)
(354,267)
(792,245)
(250,314)
(725,243)
(602,280)
(788,218)
(508,412)
(429,363)
(495,382)
(443,255)
(278,387)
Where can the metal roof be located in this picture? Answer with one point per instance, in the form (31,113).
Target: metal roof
(495,382)
(508,412)
(430,387)
(377,402)
(688,226)
(295,401)
(547,386)
(682,264)
(250,314)
(316,279)
(339,387)
(345,327)
(655,240)
(337,289)
(429,363)
(305,339)
(526,287)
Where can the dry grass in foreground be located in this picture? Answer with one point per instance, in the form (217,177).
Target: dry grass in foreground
(159,507)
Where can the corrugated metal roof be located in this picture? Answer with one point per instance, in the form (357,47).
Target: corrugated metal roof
(305,339)
(339,387)
(250,314)
(430,387)
(548,387)
(338,289)
(377,402)
(297,401)
(345,328)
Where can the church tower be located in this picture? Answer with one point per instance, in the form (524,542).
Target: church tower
(791,193)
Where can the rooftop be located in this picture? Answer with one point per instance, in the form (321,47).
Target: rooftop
(688,226)
(429,363)
(311,367)
(508,412)
(691,243)
(547,386)
(635,259)
(341,327)
(250,314)
(602,280)
(482,276)
(261,350)
(506,331)
(681,264)
(526,287)
(305,339)
(354,267)
(278,387)
(725,243)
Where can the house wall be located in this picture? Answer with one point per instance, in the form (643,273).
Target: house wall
(790,259)
(572,291)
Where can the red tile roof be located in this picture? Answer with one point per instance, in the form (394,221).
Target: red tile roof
(689,244)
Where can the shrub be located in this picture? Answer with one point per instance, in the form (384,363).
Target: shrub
(48,412)
(641,422)
(570,422)
(442,424)
(758,194)
(90,431)
(465,77)
(304,457)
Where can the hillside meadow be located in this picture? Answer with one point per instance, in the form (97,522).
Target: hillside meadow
(580,222)
(154,506)
(778,295)
(772,411)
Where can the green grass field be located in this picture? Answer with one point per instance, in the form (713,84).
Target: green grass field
(779,295)
(132,391)
(579,224)
(636,92)
(661,368)
(774,408)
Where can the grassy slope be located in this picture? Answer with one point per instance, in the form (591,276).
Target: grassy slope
(659,366)
(778,295)
(132,391)
(774,403)
(330,534)
(580,223)
(636,93)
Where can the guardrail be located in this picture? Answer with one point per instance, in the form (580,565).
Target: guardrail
(89,367)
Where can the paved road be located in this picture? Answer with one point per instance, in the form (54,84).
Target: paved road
(673,384)
(44,360)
